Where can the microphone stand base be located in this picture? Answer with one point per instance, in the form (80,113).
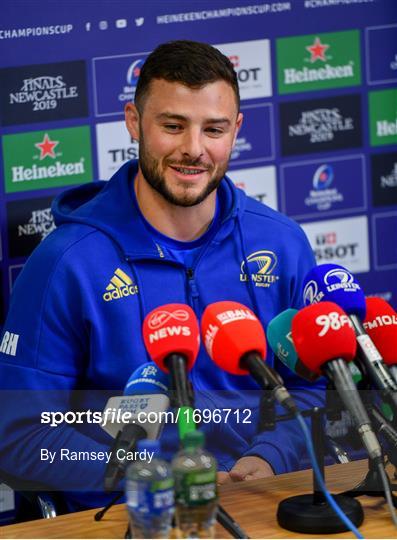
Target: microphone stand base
(303,514)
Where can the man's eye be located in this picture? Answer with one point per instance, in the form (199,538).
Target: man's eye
(217,132)
(172,127)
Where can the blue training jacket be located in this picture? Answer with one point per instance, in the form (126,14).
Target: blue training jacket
(75,324)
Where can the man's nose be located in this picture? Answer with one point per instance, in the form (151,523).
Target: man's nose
(192,143)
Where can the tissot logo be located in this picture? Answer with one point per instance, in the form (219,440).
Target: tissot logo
(257,182)
(318,61)
(29,222)
(251,61)
(261,267)
(384,179)
(114,147)
(47,159)
(43,92)
(320,125)
(115,80)
(342,241)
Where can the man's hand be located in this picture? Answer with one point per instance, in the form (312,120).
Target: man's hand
(246,468)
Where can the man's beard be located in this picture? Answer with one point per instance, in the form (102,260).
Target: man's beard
(150,168)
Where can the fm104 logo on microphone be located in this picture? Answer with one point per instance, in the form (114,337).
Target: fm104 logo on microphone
(44,92)
(320,125)
(28,223)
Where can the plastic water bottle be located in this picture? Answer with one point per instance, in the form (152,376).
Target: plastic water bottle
(150,494)
(195,488)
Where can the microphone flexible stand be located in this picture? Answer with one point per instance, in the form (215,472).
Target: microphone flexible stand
(311,513)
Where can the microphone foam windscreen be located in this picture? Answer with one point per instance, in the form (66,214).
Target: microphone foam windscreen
(147,379)
(334,283)
(381,325)
(172,328)
(323,332)
(229,331)
(279,337)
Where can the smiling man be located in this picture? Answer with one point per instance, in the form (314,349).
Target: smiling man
(168,228)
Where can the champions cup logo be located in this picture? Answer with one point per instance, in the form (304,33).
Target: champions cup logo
(160,318)
(261,265)
(323,177)
(339,278)
(311,294)
(134,71)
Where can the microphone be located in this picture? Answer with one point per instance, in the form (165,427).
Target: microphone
(145,392)
(325,340)
(172,339)
(235,340)
(331,282)
(381,325)
(279,337)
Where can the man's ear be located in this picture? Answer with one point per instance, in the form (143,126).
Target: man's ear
(239,122)
(132,120)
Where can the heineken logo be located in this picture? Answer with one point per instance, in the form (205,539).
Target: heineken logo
(46,147)
(317,50)
(47,159)
(383,117)
(319,61)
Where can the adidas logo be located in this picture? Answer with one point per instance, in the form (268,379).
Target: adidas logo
(120,285)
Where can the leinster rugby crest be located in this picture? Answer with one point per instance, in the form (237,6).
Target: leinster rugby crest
(261,268)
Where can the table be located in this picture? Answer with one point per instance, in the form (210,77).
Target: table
(252,504)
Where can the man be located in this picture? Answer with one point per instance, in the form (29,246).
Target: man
(170,228)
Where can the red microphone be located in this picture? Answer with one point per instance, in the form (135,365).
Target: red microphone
(235,340)
(381,325)
(172,338)
(325,341)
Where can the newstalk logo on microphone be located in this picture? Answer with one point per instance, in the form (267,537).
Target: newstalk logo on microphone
(318,61)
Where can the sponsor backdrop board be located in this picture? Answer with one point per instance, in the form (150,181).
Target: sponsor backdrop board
(319,141)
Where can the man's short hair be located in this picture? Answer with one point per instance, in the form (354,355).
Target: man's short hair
(190,63)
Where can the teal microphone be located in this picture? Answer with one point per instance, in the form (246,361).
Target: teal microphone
(280,340)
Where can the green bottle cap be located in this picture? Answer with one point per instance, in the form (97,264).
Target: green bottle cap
(194,439)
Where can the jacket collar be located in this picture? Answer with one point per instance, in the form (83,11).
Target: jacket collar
(109,207)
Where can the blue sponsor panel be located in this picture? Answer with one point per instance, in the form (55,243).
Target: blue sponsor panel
(385,240)
(324,187)
(255,141)
(115,79)
(381,54)
(382,284)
